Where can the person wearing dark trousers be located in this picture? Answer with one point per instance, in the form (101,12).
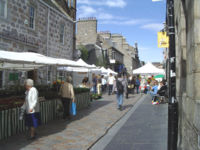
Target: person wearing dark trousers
(137,83)
(111,80)
(162,90)
(126,84)
(67,96)
(66,104)
(103,83)
(120,87)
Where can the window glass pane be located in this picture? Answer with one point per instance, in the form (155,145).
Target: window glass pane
(2,8)
(68,3)
(1,79)
(71,3)
(49,75)
(62,29)
(31,19)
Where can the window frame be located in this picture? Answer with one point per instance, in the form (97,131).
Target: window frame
(72,3)
(32,16)
(49,76)
(5,9)
(62,33)
(2,80)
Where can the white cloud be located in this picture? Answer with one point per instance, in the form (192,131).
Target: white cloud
(153,26)
(86,11)
(116,3)
(104,16)
(108,3)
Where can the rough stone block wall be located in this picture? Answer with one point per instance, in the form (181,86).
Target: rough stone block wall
(86,31)
(188,50)
(14,23)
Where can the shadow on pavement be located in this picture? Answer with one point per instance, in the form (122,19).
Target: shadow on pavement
(20,141)
(127,106)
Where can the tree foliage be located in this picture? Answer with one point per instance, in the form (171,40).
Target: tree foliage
(84,52)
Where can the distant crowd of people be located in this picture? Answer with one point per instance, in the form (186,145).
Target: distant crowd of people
(122,85)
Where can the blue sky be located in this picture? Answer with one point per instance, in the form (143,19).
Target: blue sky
(136,20)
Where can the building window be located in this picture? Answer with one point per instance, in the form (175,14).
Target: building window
(68,3)
(113,55)
(71,3)
(62,31)
(49,76)
(61,75)
(1,79)
(31,17)
(3,8)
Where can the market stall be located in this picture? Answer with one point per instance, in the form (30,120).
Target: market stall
(148,69)
(30,61)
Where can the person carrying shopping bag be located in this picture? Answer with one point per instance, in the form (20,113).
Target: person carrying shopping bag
(67,96)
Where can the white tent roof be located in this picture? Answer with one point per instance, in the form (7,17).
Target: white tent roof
(103,70)
(107,71)
(81,62)
(29,61)
(111,71)
(148,69)
(73,69)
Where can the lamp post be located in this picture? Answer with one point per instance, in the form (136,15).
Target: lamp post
(173,105)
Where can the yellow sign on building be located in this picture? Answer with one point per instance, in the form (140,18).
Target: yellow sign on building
(163,40)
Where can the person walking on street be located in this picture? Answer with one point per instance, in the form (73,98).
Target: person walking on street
(111,80)
(94,83)
(126,85)
(137,84)
(120,85)
(103,83)
(31,107)
(99,91)
(67,96)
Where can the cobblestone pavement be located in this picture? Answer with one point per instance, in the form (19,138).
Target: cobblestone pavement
(78,134)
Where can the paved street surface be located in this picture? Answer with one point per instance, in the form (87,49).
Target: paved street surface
(80,133)
(144,127)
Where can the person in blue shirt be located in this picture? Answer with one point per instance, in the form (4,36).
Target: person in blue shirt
(154,89)
(137,84)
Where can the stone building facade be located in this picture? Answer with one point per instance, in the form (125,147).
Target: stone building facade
(86,31)
(41,26)
(114,45)
(131,59)
(115,57)
(187,25)
(87,36)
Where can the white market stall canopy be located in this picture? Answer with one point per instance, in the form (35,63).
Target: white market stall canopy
(30,61)
(107,71)
(86,67)
(148,69)
(111,71)
(83,63)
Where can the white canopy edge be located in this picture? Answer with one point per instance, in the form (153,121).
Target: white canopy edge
(148,69)
(30,61)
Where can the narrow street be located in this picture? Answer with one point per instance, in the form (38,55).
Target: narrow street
(143,128)
(80,133)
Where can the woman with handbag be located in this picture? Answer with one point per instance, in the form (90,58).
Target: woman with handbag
(31,107)
(67,96)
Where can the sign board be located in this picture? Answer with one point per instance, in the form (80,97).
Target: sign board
(112,61)
(163,40)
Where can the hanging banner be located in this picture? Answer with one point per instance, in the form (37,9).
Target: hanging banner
(163,40)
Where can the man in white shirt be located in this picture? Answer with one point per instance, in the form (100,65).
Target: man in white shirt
(103,83)
(111,80)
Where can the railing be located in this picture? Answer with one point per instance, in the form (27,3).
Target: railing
(49,110)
